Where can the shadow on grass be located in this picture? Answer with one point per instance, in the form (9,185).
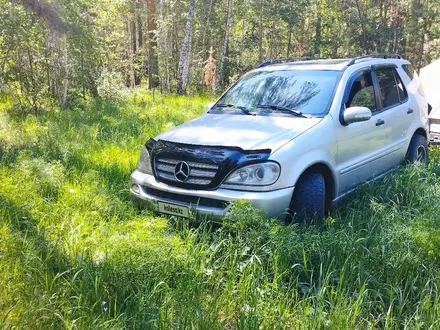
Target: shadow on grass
(126,286)
(36,263)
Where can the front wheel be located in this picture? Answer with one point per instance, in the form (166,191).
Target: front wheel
(308,200)
(418,151)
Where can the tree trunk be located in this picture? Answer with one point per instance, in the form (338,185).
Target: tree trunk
(207,29)
(424,43)
(243,34)
(83,85)
(318,27)
(185,53)
(163,48)
(289,41)
(223,74)
(153,65)
(33,87)
(134,59)
(395,40)
(128,55)
(64,97)
(364,32)
(414,32)
(260,37)
(142,68)
(66,77)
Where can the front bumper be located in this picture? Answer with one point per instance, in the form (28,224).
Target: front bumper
(207,202)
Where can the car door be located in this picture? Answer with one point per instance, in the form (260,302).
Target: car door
(397,112)
(362,146)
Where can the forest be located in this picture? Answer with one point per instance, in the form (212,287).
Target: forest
(56,52)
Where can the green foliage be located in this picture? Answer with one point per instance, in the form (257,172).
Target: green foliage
(75,252)
(53,53)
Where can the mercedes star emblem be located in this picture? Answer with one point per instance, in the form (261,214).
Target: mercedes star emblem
(181,171)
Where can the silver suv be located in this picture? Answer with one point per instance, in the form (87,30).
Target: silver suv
(292,136)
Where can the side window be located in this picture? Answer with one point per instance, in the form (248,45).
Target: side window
(362,93)
(400,87)
(412,74)
(409,70)
(389,92)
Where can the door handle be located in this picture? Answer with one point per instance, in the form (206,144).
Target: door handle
(380,122)
(410,111)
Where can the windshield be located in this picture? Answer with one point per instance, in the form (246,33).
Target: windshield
(309,92)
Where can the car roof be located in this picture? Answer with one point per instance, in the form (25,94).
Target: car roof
(328,64)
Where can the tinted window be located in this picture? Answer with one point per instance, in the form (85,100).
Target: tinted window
(400,87)
(310,92)
(409,70)
(362,93)
(389,93)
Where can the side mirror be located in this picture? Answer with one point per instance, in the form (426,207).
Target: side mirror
(356,114)
(209,106)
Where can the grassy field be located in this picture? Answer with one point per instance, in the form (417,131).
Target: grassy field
(75,253)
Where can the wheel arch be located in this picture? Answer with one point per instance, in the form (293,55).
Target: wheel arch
(329,177)
(421,131)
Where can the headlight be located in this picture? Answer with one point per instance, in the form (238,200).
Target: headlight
(262,174)
(144,164)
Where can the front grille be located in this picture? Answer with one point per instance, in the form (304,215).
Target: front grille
(194,200)
(200,173)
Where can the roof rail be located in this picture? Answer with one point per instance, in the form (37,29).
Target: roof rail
(385,56)
(289,59)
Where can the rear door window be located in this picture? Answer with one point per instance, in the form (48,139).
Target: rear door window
(389,90)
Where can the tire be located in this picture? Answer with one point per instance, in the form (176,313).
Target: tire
(308,200)
(418,150)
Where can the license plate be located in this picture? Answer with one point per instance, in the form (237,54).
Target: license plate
(181,211)
(435,128)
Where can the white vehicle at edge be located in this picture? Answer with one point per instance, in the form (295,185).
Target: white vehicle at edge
(292,136)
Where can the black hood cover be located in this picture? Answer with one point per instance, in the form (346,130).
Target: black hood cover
(226,158)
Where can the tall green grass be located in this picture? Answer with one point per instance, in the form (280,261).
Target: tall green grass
(75,253)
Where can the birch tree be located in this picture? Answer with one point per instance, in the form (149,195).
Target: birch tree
(153,66)
(185,53)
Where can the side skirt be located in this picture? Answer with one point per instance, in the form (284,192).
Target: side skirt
(340,198)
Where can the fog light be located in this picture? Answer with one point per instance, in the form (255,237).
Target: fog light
(135,188)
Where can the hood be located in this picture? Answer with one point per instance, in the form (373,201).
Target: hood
(246,132)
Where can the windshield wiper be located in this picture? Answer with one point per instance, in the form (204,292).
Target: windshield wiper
(239,107)
(283,109)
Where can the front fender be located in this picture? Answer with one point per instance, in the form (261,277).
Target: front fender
(315,146)
(302,163)
(308,150)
